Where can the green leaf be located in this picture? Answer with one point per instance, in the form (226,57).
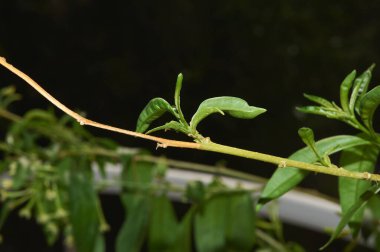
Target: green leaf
(137,205)
(357,206)
(285,179)
(172,125)
(225,223)
(135,227)
(327,112)
(183,242)
(307,136)
(163,225)
(319,100)
(345,89)
(152,111)
(233,106)
(177,99)
(83,206)
(360,88)
(360,159)
(368,105)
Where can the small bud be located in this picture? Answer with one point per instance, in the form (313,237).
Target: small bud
(50,194)
(60,213)
(7,183)
(43,218)
(25,213)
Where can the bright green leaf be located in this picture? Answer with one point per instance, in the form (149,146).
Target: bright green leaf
(361,84)
(357,206)
(368,105)
(345,88)
(360,159)
(152,111)
(327,112)
(233,106)
(285,179)
(319,100)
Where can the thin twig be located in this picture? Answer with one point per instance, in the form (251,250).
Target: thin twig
(206,146)
(162,142)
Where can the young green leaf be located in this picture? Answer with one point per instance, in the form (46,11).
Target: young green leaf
(285,179)
(321,101)
(328,112)
(357,206)
(307,136)
(163,225)
(345,88)
(360,159)
(172,125)
(177,99)
(360,87)
(233,106)
(368,105)
(152,111)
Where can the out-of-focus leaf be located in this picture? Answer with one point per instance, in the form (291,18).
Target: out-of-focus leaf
(163,225)
(368,105)
(285,179)
(357,206)
(233,106)
(345,88)
(195,191)
(100,245)
(183,241)
(241,222)
(83,206)
(137,205)
(360,159)
(135,227)
(225,223)
(152,111)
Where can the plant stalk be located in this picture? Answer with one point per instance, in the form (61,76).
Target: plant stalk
(206,146)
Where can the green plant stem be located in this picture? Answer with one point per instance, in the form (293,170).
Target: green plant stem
(284,162)
(204,145)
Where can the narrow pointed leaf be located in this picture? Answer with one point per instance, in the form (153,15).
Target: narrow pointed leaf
(360,87)
(363,84)
(233,106)
(163,225)
(307,136)
(345,88)
(360,159)
(285,179)
(368,105)
(357,206)
(327,112)
(319,100)
(172,125)
(152,111)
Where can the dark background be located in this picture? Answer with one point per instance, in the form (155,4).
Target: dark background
(109,58)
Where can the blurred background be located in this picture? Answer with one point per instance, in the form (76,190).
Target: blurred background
(109,58)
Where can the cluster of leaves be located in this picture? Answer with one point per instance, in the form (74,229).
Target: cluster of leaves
(357,153)
(47,175)
(156,107)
